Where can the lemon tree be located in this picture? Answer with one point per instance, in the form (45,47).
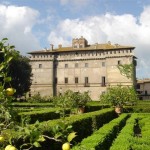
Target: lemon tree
(6,95)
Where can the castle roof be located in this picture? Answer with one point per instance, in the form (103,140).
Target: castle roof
(94,47)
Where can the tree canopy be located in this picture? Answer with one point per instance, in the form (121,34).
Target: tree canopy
(19,68)
(20,71)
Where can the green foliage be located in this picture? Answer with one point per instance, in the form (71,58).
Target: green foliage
(31,135)
(63,132)
(20,71)
(6,113)
(77,99)
(102,138)
(126,135)
(42,114)
(126,70)
(119,95)
(81,124)
(37,98)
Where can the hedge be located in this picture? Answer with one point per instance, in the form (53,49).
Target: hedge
(137,109)
(102,138)
(28,105)
(91,107)
(45,114)
(126,135)
(142,142)
(82,124)
(41,115)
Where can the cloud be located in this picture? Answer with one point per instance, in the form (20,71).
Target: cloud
(123,29)
(16,24)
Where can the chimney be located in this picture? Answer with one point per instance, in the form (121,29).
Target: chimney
(60,46)
(51,46)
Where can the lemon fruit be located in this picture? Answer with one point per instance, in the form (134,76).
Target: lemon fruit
(10,91)
(10,147)
(1,139)
(66,146)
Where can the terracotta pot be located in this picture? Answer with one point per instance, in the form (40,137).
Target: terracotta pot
(118,109)
(81,110)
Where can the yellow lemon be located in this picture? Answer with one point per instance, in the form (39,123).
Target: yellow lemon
(10,147)
(10,91)
(66,146)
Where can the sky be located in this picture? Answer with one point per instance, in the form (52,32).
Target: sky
(33,25)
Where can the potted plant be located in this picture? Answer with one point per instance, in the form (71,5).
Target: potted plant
(118,96)
(78,100)
(81,100)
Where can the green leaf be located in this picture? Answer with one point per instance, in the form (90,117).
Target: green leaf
(57,111)
(12,47)
(4,39)
(1,75)
(27,131)
(36,144)
(7,79)
(59,134)
(41,139)
(2,66)
(71,136)
(9,59)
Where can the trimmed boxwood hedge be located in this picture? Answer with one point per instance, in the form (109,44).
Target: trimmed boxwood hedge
(41,115)
(82,124)
(122,142)
(102,138)
(142,141)
(45,114)
(28,105)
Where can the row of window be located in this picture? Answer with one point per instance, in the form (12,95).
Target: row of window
(77,65)
(85,53)
(85,65)
(86,80)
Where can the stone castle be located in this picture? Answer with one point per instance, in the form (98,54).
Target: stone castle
(80,67)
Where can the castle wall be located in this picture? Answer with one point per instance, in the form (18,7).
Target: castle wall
(86,70)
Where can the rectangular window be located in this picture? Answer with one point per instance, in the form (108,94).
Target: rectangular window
(66,80)
(86,81)
(119,62)
(86,64)
(66,65)
(138,86)
(76,79)
(40,65)
(103,81)
(76,65)
(103,64)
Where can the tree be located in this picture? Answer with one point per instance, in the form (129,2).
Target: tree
(20,71)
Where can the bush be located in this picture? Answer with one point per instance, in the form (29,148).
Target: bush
(38,98)
(102,138)
(82,124)
(119,96)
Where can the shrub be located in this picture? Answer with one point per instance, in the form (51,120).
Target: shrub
(102,138)
(119,95)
